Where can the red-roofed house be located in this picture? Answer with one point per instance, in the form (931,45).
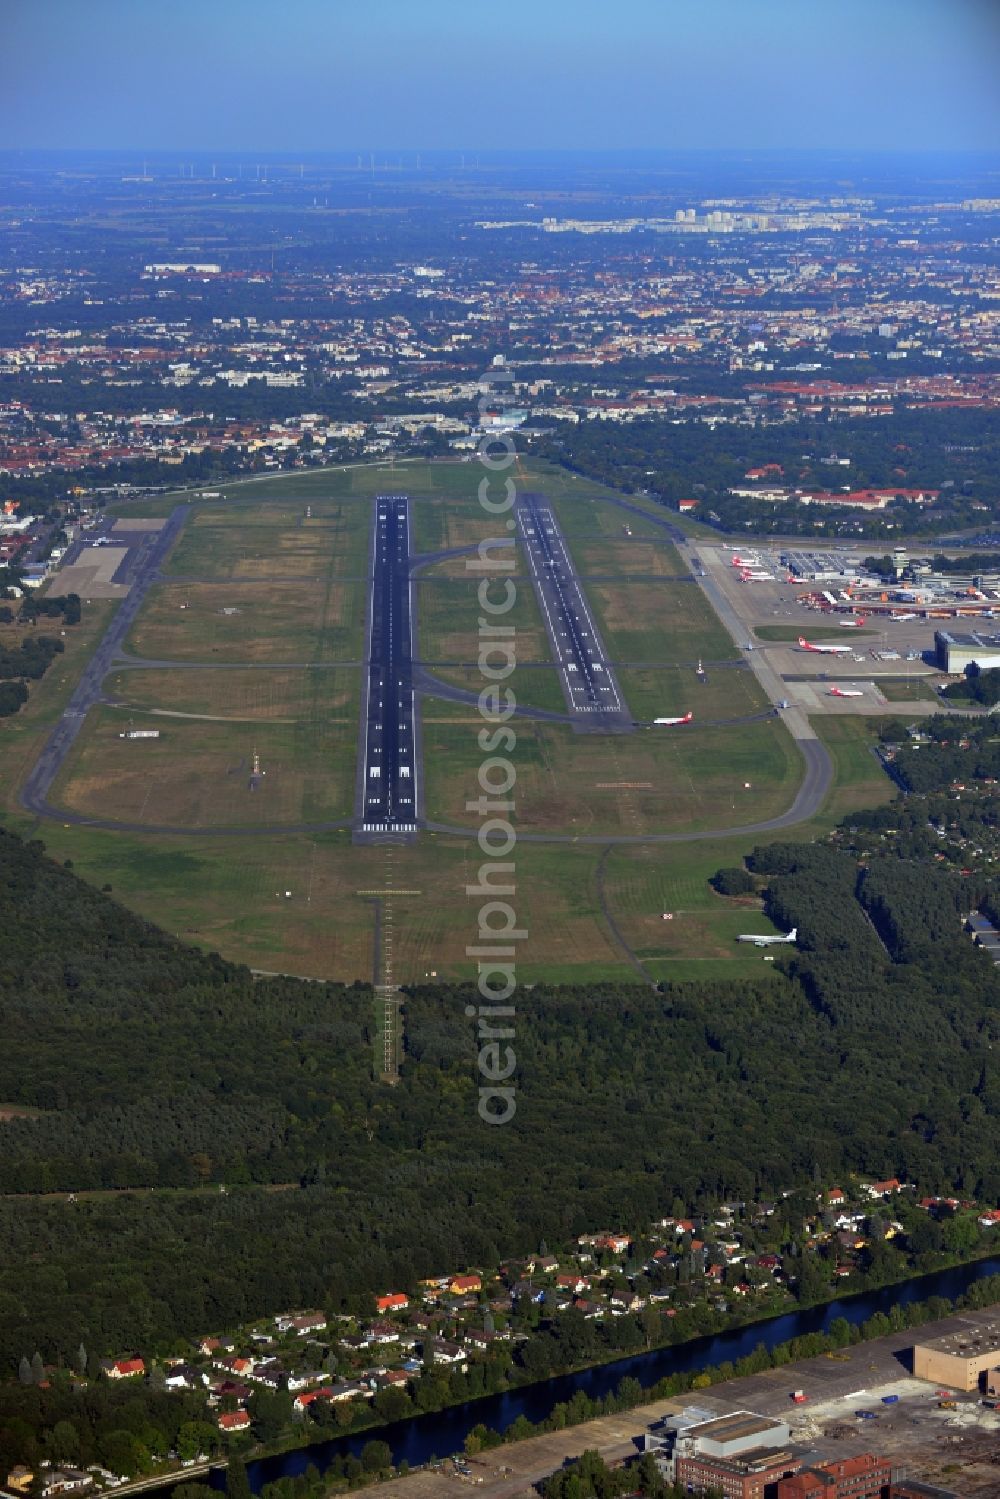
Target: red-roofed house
(395,1301)
(460,1283)
(572,1282)
(304,1401)
(126,1368)
(233,1420)
(883,1189)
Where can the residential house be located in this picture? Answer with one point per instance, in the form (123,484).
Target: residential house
(184,1377)
(461,1284)
(301,1323)
(394,1301)
(883,1188)
(230,1421)
(448,1353)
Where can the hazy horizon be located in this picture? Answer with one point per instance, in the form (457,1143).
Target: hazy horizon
(751,75)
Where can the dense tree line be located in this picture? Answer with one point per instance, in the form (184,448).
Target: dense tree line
(13,696)
(959,750)
(977,686)
(64,606)
(957,455)
(32,660)
(140,1062)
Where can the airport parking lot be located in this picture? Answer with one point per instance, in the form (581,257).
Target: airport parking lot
(104,561)
(876,660)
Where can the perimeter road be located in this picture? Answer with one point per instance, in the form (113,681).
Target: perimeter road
(588,681)
(387,761)
(145,570)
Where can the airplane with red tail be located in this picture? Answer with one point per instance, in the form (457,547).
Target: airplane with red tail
(824,650)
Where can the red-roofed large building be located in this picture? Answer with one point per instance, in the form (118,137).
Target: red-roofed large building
(395,1301)
(864,1477)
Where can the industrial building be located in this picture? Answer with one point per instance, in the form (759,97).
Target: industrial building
(958,1360)
(742,1455)
(955,652)
(864,1477)
(751,1477)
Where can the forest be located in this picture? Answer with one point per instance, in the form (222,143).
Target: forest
(32,660)
(133,1061)
(910,449)
(36,653)
(950,751)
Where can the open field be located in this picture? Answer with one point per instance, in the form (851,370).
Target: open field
(415,477)
(629,558)
(268,540)
(457,568)
(533,686)
(583,513)
(198,772)
(908,690)
(448,620)
(292,694)
(645,885)
(23,735)
(658,622)
(721,693)
(633,784)
(814,632)
(461,521)
(859,780)
(226,892)
(271,622)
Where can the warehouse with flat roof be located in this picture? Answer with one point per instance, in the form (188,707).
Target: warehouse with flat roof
(958,1360)
(957,651)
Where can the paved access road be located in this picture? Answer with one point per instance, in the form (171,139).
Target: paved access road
(388,779)
(588,681)
(87,692)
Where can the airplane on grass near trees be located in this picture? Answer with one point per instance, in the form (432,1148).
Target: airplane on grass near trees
(824,650)
(760,940)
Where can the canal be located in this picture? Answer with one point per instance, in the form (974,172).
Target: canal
(443,1432)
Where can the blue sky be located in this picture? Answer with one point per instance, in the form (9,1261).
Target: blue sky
(318,75)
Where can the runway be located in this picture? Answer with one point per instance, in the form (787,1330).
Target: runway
(387,770)
(143,569)
(587,678)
